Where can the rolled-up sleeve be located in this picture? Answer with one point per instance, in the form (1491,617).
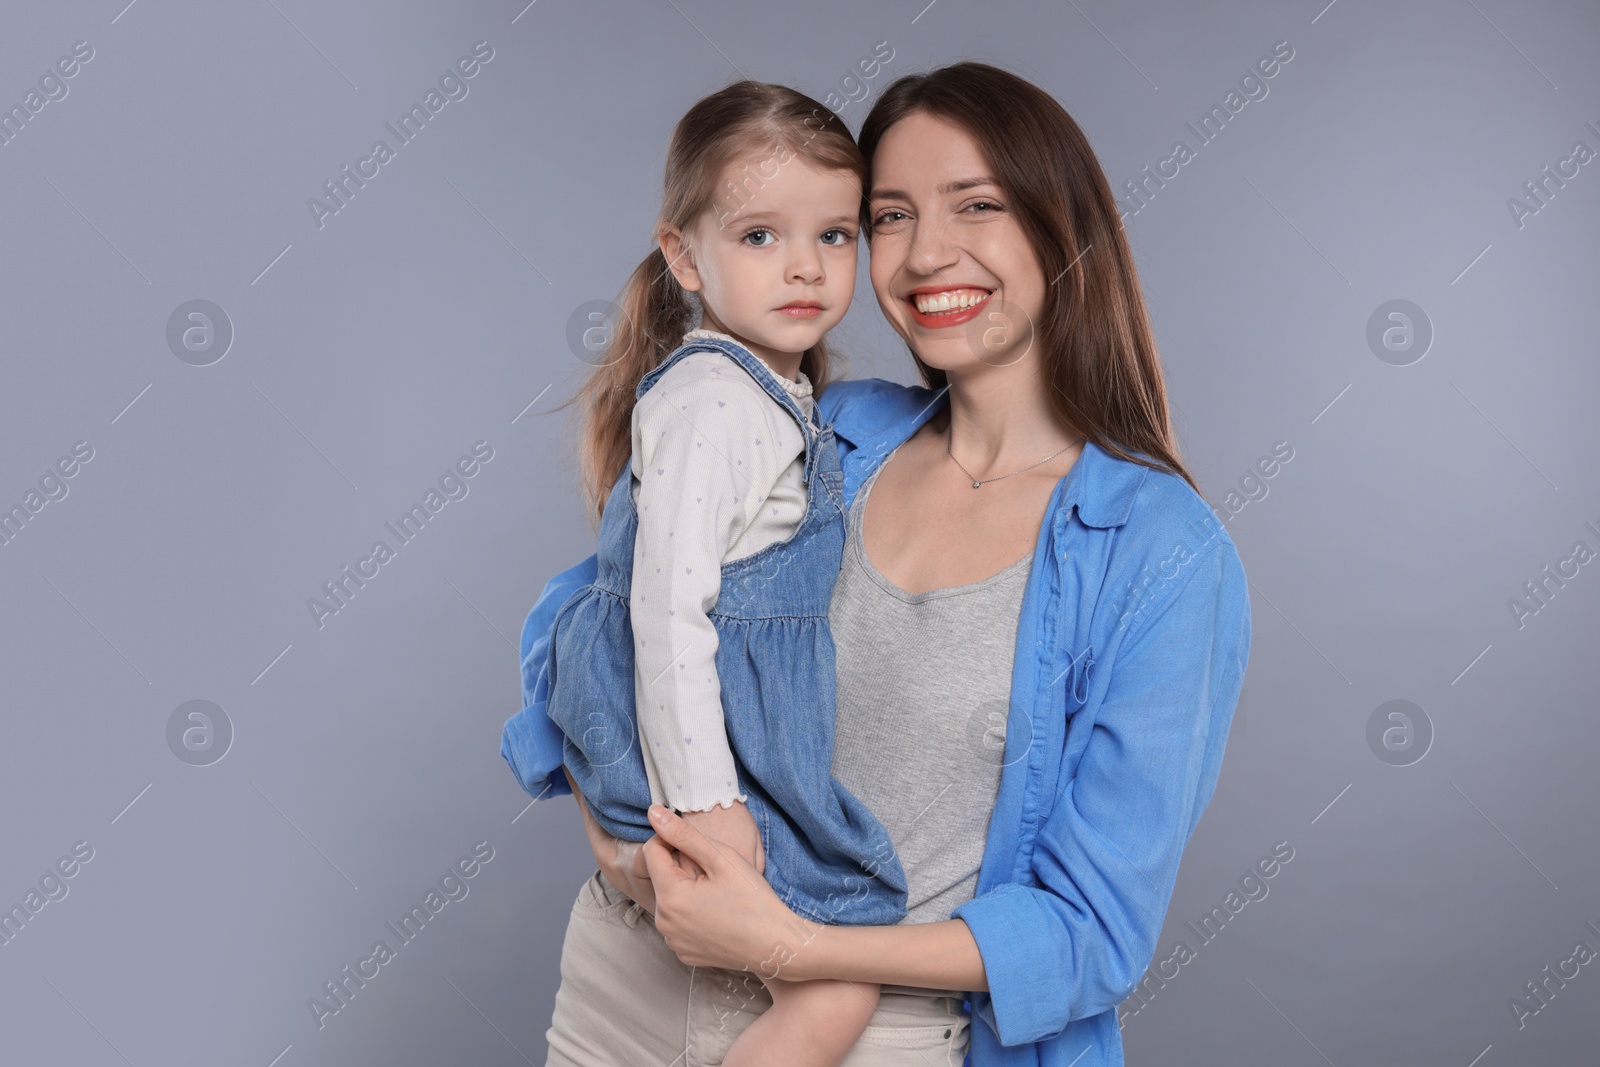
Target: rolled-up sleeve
(1106,858)
(531,744)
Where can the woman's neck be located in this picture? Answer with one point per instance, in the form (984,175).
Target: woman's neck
(998,421)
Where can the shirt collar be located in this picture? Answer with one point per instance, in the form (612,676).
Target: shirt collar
(1103,486)
(799,388)
(1100,485)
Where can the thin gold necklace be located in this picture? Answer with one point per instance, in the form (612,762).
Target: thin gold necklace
(976,483)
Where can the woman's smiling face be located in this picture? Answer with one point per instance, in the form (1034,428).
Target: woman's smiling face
(952,267)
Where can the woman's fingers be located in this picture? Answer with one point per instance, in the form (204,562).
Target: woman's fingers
(726,919)
(661,866)
(677,832)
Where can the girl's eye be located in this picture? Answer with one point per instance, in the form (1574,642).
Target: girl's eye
(759,232)
(838,237)
(888,218)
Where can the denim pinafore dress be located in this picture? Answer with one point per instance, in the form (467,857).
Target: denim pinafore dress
(827,856)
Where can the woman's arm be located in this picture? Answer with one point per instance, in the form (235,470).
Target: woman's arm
(730,917)
(622,862)
(1074,938)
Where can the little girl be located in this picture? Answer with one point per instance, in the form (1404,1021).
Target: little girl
(697,670)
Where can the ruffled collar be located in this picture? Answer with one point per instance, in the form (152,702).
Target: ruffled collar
(798,389)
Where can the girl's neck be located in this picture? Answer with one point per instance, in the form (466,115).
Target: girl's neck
(783,364)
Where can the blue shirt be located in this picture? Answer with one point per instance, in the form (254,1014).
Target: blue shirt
(1130,655)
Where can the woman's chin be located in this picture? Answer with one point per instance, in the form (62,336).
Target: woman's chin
(953,355)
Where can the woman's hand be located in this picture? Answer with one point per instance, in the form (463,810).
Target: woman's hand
(726,917)
(621,862)
(730,917)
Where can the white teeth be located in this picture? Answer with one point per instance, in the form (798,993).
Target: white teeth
(954,300)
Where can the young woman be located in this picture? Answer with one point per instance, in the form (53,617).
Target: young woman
(1039,794)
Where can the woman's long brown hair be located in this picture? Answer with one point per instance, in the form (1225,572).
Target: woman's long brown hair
(1099,353)
(747,118)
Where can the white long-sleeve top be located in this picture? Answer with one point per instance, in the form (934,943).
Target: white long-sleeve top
(718,474)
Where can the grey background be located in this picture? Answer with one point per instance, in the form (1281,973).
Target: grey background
(431,313)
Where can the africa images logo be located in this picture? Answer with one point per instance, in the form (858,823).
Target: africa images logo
(453,87)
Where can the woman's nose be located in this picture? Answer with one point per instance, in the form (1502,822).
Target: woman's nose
(932,249)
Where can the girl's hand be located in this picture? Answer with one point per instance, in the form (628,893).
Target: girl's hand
(727,917)
(733,826)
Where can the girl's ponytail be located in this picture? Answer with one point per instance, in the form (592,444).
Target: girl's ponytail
(653,313)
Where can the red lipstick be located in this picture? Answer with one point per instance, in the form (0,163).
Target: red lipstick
(939,320)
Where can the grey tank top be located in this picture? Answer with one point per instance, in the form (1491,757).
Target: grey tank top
(924,684)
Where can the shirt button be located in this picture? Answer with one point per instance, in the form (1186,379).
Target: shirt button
(947,1033)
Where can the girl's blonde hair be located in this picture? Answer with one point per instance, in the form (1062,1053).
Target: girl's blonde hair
(746,118)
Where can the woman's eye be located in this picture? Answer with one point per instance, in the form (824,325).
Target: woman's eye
(837,237)
(888,218)
(988,207)
(757,233)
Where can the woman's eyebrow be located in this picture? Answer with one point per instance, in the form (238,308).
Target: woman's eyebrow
(965,183)
(960,185)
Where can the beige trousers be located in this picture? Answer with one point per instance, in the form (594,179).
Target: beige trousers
(626,1001)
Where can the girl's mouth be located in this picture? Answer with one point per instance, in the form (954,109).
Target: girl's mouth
(947,307)
(801,311)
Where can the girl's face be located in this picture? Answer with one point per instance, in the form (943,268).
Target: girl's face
(774,257)
(952,268)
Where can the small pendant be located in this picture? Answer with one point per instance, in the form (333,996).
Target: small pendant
(976,484)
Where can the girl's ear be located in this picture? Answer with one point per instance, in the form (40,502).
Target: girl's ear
(679,253)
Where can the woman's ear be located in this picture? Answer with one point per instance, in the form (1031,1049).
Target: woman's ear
(676,247)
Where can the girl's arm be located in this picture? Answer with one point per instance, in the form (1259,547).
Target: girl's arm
(698,452)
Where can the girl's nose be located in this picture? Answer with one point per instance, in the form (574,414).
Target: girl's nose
(806,267)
